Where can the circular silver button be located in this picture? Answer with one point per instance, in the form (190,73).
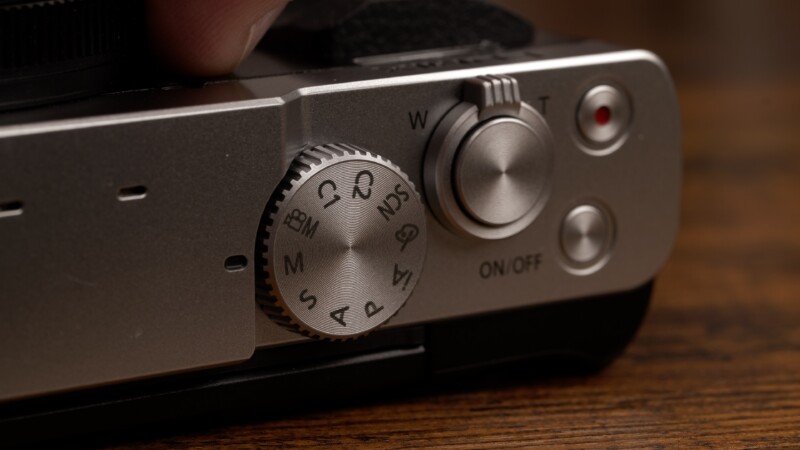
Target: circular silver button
(497,176)
(489,162)
(586,235)
(603,115)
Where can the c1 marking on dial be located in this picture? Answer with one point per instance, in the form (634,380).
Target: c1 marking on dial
(321,193)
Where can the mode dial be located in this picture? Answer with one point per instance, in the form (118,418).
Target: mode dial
(344,243)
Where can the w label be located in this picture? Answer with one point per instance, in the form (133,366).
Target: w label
(418,119)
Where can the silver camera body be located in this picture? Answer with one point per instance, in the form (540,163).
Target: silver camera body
(149,235)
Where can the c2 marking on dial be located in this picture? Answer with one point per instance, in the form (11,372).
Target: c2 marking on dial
(301,222)
(304,297)
(338,315)
(397,197)
(400,275)
(406,234)
(371,309)
(321,193)
(293,266)
(364,175)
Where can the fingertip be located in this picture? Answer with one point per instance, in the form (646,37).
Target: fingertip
(208,37)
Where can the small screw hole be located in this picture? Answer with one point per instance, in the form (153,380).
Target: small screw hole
(10,209)
(132,193)
(235,263)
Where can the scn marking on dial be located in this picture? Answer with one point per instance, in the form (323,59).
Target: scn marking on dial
(398,197)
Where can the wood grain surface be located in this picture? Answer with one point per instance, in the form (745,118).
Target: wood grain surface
(717,361)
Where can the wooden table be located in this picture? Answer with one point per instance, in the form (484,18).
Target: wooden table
(717,361)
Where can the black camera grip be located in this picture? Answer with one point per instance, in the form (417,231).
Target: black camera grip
(341,32)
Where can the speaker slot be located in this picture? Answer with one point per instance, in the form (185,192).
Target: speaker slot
(10,209)
(132,193)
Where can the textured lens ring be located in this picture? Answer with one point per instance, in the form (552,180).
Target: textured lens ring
(56,50)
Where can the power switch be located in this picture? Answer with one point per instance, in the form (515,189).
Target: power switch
(587,234)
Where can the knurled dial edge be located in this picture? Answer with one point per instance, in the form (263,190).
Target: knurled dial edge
(343,243)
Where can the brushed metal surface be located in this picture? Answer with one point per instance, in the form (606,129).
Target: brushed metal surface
(94,288)
(499,171)
(346,243)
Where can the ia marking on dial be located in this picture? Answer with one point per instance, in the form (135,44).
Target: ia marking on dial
(346,243)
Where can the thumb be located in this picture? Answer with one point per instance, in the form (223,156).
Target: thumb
(208,37)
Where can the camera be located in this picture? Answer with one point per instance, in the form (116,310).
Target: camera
(373,213)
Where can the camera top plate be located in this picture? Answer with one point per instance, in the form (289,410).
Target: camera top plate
(131,204)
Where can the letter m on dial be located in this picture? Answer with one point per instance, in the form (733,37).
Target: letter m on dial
(293,265)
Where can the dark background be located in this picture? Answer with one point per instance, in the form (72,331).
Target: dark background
(716,41)
(717,361)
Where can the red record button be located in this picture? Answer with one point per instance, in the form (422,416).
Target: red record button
(603,116)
